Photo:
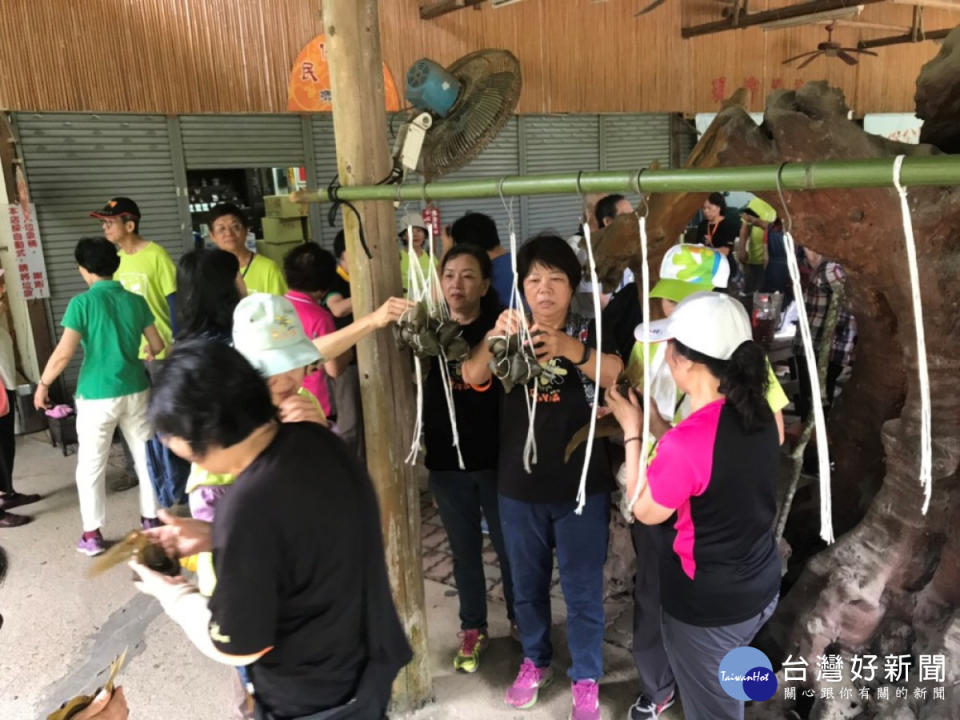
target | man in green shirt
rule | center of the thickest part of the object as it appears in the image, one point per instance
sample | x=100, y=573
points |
x=752, y=245
x=108, y=322
x=145, y=270
x=260, y=274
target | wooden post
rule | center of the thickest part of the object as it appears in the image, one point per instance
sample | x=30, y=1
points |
x=359, y=121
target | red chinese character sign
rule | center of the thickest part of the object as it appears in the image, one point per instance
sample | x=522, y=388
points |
x=26, y=244
x=309, y=86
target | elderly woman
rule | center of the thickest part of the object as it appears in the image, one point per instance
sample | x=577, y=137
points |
x=537, y=508
x=714, y=477
x=228, y=226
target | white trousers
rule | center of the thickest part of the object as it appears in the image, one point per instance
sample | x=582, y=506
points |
x=96, y=422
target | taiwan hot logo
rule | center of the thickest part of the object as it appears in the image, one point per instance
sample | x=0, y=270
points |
x=747, y=674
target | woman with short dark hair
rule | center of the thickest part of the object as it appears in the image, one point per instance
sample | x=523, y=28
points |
x=537, y=508
x=302, y=597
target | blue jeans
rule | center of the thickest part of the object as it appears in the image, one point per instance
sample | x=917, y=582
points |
x=460, y=496
x=531, y=532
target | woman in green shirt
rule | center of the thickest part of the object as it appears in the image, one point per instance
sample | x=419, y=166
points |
x=108, y=322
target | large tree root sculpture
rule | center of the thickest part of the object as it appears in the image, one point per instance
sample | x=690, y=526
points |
x=891, y=584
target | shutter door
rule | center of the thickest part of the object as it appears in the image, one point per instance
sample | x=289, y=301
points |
x=241, y=141
x=325, y=160
x=554, y=144
x=633, y=141
x=76, y=162
x=499, y=159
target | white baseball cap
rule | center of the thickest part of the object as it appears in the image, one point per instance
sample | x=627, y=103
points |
x=710, y=323
x=268, y=333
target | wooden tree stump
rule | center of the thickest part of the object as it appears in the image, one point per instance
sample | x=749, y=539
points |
x=891, y=584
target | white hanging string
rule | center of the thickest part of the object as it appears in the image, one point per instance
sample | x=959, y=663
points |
x=598, y=357
x=813, y=373
x=926, y=439
x=645, y=439
x=425, y=287
x=412, y=294
x=516, y=303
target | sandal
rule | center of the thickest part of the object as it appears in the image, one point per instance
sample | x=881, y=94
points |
x=9, y=520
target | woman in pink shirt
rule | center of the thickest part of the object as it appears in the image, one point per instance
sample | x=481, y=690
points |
x=309, y=270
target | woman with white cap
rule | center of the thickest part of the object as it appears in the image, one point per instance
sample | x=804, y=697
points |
x=716, y=473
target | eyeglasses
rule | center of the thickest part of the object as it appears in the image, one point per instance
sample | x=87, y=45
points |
x=224, y=229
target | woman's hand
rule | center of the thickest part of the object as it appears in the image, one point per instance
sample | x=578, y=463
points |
x=106, y=706
x=549, y=343
x=509, y=323
x=41, y=398
x=181, y=537
x=390, y=311
x=301, y=409
x=155, y=584
x=627, y=410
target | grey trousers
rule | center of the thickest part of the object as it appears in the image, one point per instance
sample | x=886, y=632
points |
x=653, y=666
x=695, y=653
x=346, y=398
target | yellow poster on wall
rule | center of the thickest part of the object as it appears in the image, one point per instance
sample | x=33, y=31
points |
x=309, y=86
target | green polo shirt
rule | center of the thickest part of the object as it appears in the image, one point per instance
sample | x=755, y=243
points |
x=111, y=322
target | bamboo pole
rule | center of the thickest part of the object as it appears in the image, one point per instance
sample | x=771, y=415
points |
x=827, y=174
x=356, y=82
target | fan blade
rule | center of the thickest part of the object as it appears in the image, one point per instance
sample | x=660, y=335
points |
x=866, y=52
x=652, y=6
x=797, y=57
x=847, y=57
x=806, y=62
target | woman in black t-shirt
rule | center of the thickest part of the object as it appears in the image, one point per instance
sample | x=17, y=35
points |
x=718, y=230
x=715, y=474
x=463, y=494
x=537, y=508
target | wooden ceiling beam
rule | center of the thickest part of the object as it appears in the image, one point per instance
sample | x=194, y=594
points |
x=431, y=10
x=901, y=39
x=767, y=16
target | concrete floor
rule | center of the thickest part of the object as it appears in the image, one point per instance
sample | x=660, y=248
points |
x=61, y=629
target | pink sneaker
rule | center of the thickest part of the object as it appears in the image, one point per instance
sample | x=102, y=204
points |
x=523, y=693
x=586, y=704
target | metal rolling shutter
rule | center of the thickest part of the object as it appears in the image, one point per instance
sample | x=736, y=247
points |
x=553, y=144
x=241, y=141
x=325, y=161
x=76, y=162
x=500, y=158
x=631, y=142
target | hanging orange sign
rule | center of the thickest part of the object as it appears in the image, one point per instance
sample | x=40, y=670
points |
x=309, y=87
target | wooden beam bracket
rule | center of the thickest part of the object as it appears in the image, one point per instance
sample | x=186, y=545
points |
x=743, y=20
x=431, y=10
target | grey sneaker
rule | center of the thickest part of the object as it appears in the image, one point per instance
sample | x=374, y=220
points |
x=646, y=709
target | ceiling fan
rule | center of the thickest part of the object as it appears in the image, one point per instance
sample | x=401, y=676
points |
x=829, y=49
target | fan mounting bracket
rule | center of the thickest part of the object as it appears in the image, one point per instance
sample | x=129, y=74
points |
x=410, y=141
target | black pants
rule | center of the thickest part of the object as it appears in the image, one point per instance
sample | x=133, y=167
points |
x=461, y=495
x=8, y=444
x=804, y=400
x=653, y=666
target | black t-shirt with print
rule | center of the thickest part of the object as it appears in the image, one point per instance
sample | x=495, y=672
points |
x=340, y=287
x=563, y=407
x=298, y=554
x=477, y=410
